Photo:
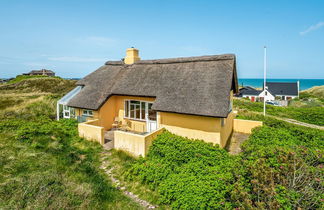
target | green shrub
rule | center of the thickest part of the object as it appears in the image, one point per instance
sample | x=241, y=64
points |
x=281, y=166
x=312, y=115
x=284, y=167
x=188, y=174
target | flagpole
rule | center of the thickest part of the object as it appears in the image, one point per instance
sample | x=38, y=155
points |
x=264, y=79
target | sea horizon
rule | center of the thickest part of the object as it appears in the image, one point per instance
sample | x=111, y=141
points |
x=258, y=82
x=303, y=83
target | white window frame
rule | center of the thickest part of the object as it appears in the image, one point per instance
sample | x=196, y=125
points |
x=85, y=112
x=129, y=104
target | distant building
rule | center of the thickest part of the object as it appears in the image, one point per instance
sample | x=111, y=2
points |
x=43, y=72
x=2, y=81
x=275, y=90
x=249, y=92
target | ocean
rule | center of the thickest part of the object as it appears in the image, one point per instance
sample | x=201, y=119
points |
x=303, y=83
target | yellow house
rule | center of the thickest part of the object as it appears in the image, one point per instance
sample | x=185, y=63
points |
x=135, y=99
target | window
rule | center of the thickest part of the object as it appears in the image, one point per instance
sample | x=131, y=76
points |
x=87, y=112
x=136, y=109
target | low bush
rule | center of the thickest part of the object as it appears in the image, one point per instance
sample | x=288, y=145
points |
x=188, y=174
x=312, y=115
x=284, y=166
x=281, y=166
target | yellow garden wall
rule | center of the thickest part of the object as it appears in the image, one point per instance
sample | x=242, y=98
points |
x=191, y=126
x=245, y=126
x=135, y=144
x=91, y=131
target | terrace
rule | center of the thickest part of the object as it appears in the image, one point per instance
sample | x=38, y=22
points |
x=136, y=143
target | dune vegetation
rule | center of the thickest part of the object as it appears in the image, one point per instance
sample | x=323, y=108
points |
x=309, y=108
x=281, y=167
x=316, y=92
x=43, y=162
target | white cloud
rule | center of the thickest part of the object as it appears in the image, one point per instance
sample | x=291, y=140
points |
x=98, y=40
x=77, y=59
x=36, y=65
x=312, y=28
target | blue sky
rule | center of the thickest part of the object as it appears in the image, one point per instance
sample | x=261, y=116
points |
x=76, y=37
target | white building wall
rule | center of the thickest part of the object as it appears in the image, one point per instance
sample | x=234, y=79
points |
x=268, y=97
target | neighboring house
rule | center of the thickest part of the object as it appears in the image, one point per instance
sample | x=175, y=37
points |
x=43, y=72
x=190, y=97
x=275, y=91
x=249, y=92
x=283, y=90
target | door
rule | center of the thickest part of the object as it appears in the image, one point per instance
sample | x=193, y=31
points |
x=151, y=115
x=252, y=98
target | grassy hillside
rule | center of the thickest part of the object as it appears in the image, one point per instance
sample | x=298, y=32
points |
x=305, y=113
x=43, y=163
x=314, y=92
x=37, y=84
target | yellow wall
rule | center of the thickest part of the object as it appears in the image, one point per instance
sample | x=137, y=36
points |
x=114, y=107
x=79, y=112
x=135, y=125
x=245, y=126
x=194, y=127
x=208, y=129
x=91, y=131
x=227, y=129
x=135, y=144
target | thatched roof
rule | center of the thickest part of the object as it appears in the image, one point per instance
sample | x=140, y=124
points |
x=193, y=85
